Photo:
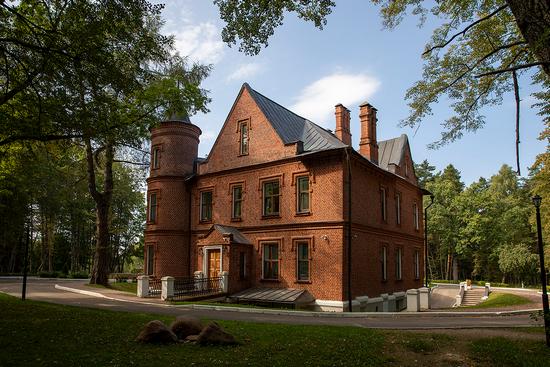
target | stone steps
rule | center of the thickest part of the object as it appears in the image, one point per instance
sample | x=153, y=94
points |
x=472, y=297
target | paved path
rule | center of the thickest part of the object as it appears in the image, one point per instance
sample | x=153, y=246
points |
x=45, y=290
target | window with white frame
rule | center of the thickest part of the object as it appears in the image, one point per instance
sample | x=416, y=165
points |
x=155, y=161
x=416, y=218
x=153, y=203
x=271, y=261
x=242, y=265
x=236, y=201
x=206, y=206
x=271, y=198
x=398, y=208
x=384, y=262
x=302, y=194
x=150, y=260
x=416, y=261
x=383, y=207
x=398, y=263
x=244, y=137
x=302, y=248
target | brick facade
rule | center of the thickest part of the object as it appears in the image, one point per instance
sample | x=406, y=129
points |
x=182, y=240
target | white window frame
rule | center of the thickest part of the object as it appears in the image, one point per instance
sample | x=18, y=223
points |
x=298, y=194
x=262, y=244
x=383, y=204
x=384, y=262
x=416, y=218
x=398, y=208
x=399, y=263
x=201, y=205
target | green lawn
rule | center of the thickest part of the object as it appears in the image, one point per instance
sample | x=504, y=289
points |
x=496, y=300
x=41, y=334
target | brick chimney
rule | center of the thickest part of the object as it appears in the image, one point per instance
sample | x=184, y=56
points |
x=342, y=131
x=368, y=146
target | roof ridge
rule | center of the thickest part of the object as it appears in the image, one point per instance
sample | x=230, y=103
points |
x=277, y=103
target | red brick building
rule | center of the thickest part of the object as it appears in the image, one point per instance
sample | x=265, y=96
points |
x=277, y=201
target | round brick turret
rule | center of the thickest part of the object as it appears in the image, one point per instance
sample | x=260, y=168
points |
x=174, y=149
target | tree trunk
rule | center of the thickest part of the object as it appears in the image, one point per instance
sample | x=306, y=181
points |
x=533, y=20
x=100, y=268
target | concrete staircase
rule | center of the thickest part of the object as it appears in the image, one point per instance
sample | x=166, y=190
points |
x=473, y=297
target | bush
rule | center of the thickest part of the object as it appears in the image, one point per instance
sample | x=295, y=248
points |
x=52, y=274
x=79, y=275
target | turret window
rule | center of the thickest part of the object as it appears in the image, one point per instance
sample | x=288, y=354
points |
x=155, y=159
x=152, y=212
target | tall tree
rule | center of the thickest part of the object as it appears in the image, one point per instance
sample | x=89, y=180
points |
x=114, y=77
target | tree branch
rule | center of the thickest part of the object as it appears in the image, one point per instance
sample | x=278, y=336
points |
x=516, y=93
x=14, y=138
x=130, y=162
x=514, y=68
x=465, y=30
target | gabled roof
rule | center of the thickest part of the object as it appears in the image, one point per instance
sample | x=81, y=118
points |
x=292, y=128
x=392, y=151
x=238, y=237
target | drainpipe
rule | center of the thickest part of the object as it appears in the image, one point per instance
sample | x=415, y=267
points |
x=349, y=230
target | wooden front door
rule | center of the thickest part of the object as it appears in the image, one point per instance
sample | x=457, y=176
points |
x=214, y=263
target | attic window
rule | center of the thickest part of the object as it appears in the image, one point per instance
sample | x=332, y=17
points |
x=244, y=137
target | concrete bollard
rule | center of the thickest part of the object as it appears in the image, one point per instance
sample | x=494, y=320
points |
x=167, y=288
x=385, y=306
x=392, y=303
x=413, y=301
x=143, y=286
x=363, y=301
x=425, y=295
x=225, y=281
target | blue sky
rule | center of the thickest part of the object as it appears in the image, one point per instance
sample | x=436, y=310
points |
x=352, y=60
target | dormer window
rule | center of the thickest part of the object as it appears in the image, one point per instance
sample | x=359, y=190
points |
x=244, y=137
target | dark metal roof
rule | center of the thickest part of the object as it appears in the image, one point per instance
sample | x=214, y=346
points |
x=238, y=237
x=293, y=128
x=274, y=295
x=391, y=151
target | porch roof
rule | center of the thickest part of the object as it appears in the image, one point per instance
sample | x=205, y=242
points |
x=274, y=295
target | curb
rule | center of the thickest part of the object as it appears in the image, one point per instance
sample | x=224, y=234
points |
x=100, y=295
x=403, y=314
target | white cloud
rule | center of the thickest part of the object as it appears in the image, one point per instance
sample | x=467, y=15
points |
x=245, y=71
x=201, y=42
x=208, y=135
x=316, y=101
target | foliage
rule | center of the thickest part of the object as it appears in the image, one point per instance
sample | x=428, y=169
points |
x=468, y=61
x=482, y=231
x=253, y=22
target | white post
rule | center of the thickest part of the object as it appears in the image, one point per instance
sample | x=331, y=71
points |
x=424, y=298
x=143, y=286
x=225, y=281
x=413, y=302
x=167, y=288
x=198, y=280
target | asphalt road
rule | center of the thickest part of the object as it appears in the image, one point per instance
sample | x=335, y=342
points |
x=44, y=290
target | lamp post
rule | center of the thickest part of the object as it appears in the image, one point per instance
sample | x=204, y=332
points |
x=536, y=202
x=426, y=239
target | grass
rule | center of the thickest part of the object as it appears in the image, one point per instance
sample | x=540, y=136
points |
x=119, y=286
x=497, y=300
x=42, y=334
